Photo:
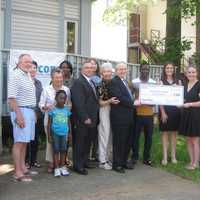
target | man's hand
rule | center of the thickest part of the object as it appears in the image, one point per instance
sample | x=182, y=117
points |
x=88, y=121
x=164, y=117
x=20, y=120
x=137, y=102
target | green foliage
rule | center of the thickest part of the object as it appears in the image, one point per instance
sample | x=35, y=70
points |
x=182, y=157
x=144, y=62
x=120, y=10
x=176, y=48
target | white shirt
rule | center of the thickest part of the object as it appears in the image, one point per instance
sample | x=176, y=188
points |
x=136, y=82
x=48, y=99
x=48, y=96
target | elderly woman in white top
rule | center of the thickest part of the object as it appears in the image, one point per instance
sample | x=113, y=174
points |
x=104, y=127
x=47, y=102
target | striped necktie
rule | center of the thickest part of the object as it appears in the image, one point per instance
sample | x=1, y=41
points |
x=93, y=88
x=128, y=89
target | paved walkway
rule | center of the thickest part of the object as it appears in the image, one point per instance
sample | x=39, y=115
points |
x=142, y=183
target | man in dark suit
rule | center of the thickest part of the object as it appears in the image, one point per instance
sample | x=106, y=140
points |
x=122, y=119
x=85, y=109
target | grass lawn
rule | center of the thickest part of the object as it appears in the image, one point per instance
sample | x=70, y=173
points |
x=182, y=157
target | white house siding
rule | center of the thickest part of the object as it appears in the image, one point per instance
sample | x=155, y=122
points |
x=72, y=9
x=2, y=4
x=35, y=24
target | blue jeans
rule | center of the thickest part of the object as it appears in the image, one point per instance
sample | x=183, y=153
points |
x=59, y=143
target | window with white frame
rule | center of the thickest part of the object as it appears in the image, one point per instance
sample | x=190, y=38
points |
x=71, y=36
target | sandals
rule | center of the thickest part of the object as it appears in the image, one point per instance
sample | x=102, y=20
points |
x=191, y=167
x=147, y=162
x=164, y=162
x=69, y=163
x=174, y=161
x=50, y=169
x=31, y=172
x=36, y=164
x=23, y=178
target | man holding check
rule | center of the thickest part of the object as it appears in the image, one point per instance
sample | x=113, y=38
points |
x=144, y=119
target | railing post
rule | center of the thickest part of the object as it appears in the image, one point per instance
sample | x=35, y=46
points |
x=1, y=88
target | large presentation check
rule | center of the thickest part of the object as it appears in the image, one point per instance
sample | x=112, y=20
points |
x=153, y=94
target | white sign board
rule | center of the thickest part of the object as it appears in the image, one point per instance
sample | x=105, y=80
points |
x=46, y=62
x=153, y=94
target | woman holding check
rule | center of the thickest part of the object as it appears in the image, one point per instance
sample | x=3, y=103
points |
x=189, y=125
x=169, y=117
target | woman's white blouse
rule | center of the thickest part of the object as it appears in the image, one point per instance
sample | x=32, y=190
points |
x=48, y=98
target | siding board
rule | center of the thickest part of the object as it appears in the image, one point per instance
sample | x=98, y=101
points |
x=72, y=9
x=34, y=32
x=46, y=7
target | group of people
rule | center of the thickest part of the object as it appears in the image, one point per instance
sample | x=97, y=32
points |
x=100, y=112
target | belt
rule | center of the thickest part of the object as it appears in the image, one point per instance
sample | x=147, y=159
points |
x=29, y=107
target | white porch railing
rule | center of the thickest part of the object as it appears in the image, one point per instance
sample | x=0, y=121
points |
x=76, y=60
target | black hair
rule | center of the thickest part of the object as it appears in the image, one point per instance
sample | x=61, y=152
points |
x=68, y=64
x=55, y=70
x=144, y=64
x=60, y=92
x=35, y=63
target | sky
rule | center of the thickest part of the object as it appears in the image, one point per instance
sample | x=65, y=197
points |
x=107, y=41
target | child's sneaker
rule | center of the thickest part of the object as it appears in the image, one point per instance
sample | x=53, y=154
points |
x=64, y=171
x=57, y=172
x=105, y=166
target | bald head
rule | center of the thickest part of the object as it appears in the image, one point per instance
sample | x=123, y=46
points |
x=121, y=70
x=25, y=62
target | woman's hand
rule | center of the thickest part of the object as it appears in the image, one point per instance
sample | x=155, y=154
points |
x=50, y=138
x=114, y=100
x=164, y=117
x=187, y=105
x=47, y=108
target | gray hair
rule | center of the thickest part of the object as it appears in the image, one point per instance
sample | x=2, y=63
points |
x=120, y=64
x=22, y=56
x=106, y=65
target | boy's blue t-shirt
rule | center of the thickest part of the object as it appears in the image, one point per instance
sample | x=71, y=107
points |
x=60, y=117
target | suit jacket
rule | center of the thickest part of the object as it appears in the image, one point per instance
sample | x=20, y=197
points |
x=84, y=102
x=124, y=112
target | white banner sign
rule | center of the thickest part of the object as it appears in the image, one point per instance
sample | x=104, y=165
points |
x=46, y=62
x=153, y=94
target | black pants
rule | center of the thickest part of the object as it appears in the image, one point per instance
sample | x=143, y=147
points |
x=82, y=137
x=145, y=123
x=32, y=148
x=122, y=137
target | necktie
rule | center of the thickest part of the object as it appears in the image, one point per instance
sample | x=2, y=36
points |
x=128, y=89
x=93, y=88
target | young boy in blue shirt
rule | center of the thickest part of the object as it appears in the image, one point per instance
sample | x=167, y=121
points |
x=58, y=130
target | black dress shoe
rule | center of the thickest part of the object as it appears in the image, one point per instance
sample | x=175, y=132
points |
x=134, y=161
x=89, y=166
x=81, y=171
x=119, y=169
x=147, y=162
x=129, y=166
